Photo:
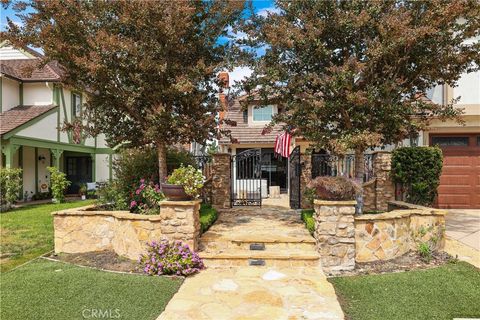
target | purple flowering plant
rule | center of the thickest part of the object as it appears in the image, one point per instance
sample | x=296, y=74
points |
x=170, y=258
x=146, y=197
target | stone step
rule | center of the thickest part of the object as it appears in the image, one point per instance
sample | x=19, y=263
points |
x=242, y=245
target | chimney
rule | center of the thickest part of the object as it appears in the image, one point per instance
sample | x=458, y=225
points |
x=224, y=85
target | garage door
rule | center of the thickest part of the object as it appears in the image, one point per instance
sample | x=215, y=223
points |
x=460, y=179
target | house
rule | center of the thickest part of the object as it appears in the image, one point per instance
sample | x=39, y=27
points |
x=460, y=180
x=34, y=105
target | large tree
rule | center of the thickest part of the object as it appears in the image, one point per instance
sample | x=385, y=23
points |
x=353, y=74
x=150, y=67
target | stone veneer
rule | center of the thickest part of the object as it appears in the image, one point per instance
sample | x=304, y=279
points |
x=335, y=234
x=221, y=184
x=381, y=189
x=391, y=234
x=85, y=229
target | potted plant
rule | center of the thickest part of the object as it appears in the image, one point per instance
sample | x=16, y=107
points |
x=83, y=191
x=184, y=183
x=333, y=188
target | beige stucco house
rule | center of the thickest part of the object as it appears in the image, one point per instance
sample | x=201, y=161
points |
x=34, y=104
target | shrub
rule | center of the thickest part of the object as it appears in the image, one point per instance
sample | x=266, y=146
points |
x=42, y=195
x=146, y=198
x=111, y=196
x=59, y=184
x=208, y=216
x=307, y=217
x=334, y=188
x=190, y=178
x=425, y=251
x=170, y=258
x=418, y=170
x=10, y=186
x=135, y=164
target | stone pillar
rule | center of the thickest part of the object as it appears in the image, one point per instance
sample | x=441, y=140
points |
x=384, y=186
x=181, y=221
x=335, y=234
x=306, y=176
x=221, y=181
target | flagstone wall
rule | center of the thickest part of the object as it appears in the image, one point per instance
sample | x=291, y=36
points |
x=221, y=181
x=86, y=229
x=381, y=189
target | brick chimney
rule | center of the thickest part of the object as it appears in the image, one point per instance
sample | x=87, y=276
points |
x=224, y=79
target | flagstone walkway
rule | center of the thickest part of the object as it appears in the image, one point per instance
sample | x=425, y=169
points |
x=291, y=284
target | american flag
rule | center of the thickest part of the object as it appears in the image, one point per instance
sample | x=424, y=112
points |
x=282, y=144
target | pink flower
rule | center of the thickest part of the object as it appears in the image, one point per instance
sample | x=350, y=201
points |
x=138, y=191
x=133, y=203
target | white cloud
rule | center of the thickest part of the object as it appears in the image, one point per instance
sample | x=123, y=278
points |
x=236, y=35
x=238, y=74
x=265, y=11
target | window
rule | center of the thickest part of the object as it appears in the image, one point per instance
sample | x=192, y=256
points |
x=450, y=141
x=76, y=105
x=263, y=113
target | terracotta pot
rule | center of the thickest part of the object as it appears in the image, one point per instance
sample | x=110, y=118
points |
x=175, y=192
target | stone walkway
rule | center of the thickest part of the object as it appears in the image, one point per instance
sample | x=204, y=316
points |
x=290, y=285
x=255, y=293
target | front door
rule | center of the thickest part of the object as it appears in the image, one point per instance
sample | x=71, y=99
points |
x=79, y=171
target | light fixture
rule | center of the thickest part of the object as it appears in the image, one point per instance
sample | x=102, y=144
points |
x=41, y=157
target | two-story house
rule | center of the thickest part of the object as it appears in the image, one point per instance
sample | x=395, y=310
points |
x=34, y=105
x=460, y=180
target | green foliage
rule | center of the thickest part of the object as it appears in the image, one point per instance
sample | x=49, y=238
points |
x=418, y=170
x=83, y=189
x=10, y=186
x=111, y=195
x=59, y=184
x=425, y=251
x=208, y=216
x=175, y=158
x=307, y=217
x=146, y=198
x=42, y=195
x=190, y=178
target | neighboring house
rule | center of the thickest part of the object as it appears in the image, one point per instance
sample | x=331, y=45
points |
x=34, y=105
x=460, y=181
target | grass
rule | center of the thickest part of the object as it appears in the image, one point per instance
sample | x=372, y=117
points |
x=446, y=292
x=44, y=289
x=208, y=216
x=27, y=232
x=307, y=217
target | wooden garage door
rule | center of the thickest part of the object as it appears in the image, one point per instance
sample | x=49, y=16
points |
x=460, y=179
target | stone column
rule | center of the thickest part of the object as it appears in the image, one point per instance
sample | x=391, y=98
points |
x=335, y=234
x=384, y=186
x=181, y=221
x=221, y=181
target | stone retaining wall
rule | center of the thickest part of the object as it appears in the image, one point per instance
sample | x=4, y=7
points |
x=335, y=234
x=221, y=181
x=391, y=234
x=84, y=229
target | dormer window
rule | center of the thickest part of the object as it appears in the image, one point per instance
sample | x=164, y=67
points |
x=263, y=113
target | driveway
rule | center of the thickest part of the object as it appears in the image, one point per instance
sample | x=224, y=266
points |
x=464, y=226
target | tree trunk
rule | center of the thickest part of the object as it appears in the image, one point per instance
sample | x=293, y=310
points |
x=359, y=165
x=162, y=161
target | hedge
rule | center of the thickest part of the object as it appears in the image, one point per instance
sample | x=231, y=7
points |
x=208, y=216
x=418, y=170
x=307, y=217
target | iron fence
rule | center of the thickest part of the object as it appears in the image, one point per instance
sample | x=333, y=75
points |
x=331, y=165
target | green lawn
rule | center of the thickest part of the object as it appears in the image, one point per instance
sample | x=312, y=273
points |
x=28, y=232
x=53, y=290
x=445, y=292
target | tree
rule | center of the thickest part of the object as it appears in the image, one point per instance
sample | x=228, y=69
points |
x=354, y=74
x=150, y=68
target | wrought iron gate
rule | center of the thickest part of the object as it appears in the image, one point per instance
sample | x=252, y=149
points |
x=246, y=176
x=295, y=169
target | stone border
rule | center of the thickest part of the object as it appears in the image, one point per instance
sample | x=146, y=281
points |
x=81, y=230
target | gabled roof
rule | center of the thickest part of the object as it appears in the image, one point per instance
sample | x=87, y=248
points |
x=243, y=132
x=18, y=116
x=29, y=70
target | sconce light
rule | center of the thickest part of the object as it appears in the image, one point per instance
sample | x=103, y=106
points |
x=229, y=150
x=41, y=157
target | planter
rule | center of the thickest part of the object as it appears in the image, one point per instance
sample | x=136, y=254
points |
x=84, y=197
x=175, y=192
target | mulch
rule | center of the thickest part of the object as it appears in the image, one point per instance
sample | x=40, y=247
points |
x=103, y=260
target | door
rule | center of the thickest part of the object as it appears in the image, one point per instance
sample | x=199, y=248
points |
x=295, y=174
x=79, y=171
x=247, y=183
x=460, y=180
